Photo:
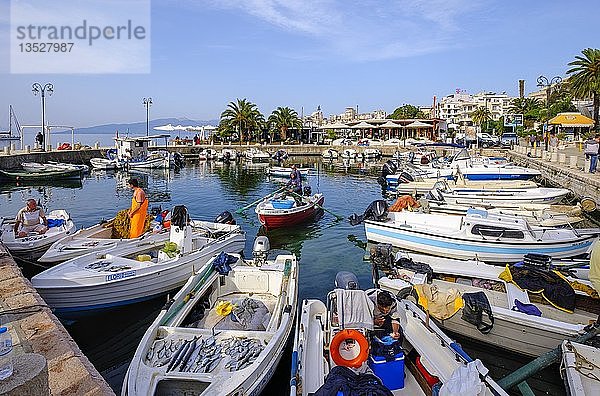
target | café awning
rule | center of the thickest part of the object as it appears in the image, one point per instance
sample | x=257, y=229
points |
x=572, y=120
x=418, y=124
x=362, y=125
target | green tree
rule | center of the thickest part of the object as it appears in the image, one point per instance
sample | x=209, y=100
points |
x=530, y=108
x=406, y=111
x=242, y=116
x=480, y=116
x=584, y=80
x=282, y=119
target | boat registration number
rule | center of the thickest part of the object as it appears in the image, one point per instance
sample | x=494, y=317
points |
x=120, y=275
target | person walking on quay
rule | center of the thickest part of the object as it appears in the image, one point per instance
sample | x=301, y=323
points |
x=39, y=140
x=553, y=143
x=138, y=211
x=592, y=146
x=28, y=220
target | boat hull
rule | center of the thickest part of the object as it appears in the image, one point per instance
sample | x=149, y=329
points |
x=492, y=250
x=285, y=218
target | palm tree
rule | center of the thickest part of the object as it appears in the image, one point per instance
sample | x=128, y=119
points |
x=480, y=116
x=284, y=118
x=242, y=116
x=585, y=78
x=530, y=108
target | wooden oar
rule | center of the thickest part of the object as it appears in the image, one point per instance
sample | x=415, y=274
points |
x=241, y=210
x=320, y=207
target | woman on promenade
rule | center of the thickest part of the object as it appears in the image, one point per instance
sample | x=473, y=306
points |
x=138, y=211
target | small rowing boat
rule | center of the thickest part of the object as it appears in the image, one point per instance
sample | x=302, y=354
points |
x=277, y=212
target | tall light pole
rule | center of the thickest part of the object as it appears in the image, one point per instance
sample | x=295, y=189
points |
x=38, y=88
x=147, y=103
x=543, y=82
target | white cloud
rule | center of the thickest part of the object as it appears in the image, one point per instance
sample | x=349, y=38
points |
x=367, y=30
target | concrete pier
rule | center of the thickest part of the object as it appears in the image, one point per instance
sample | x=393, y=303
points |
x=35, y=330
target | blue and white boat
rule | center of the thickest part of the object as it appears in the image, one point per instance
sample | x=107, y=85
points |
x=477, y=235
x=100, y=281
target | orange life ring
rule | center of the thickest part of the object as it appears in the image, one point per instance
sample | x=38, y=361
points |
x=342, y=336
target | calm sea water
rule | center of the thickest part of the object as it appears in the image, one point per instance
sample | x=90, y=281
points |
x=324, y=247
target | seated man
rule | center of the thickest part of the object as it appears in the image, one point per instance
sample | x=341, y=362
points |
x=28, y=220
x=385, y=314
x=294, y=186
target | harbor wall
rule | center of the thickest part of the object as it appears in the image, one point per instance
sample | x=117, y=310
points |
x=35, y=329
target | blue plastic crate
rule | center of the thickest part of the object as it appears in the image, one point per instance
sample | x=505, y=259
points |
x=282, y=203
x=390, y=372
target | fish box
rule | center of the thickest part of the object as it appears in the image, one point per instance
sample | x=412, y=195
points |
x=390, y=372
x=282, y=203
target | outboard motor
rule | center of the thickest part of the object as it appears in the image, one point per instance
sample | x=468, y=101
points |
x=155, y=210
x=181, y=230
x=260, y=250
x=377, y=210
x=307, y=191
x=225, y=218
x=346, y=280
x=389, y=168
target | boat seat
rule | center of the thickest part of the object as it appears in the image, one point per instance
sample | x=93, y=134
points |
x=514, y=293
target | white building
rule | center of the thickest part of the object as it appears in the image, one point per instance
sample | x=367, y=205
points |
x=457, y=108
x=351, y=114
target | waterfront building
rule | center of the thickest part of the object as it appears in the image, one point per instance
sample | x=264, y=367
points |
x=456, y=108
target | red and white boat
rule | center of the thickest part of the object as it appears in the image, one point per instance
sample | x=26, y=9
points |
x=275, y=212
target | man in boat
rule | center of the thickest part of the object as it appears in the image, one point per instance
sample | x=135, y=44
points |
x=28, y=220
x=385, y=314
x=294, y=186
x=138, y=211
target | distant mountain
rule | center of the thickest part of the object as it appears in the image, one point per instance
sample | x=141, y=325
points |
x=139, y=128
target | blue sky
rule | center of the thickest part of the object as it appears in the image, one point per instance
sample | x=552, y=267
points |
x=332, y=53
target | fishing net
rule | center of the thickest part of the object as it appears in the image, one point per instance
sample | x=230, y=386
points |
x=120, y=225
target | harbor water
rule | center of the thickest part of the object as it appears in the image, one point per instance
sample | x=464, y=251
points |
x=323, y=247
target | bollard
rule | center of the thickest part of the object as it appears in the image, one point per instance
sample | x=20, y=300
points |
x=6, y=150
x=28, y=149
x=562, y=158
x=97, y=145
x=554, y=157
x=49, y=147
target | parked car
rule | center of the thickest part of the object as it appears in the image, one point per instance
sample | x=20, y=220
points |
x=509, y=138
x=486, y=140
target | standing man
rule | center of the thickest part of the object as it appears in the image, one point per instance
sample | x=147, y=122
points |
x=553, y=143
x=28, y=220
x=592, y=146
x=138, y=211
x=39, y=139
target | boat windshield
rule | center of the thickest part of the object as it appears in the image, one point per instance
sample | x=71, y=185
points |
x=496, y=232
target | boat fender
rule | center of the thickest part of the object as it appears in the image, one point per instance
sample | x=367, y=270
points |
x=342, y=337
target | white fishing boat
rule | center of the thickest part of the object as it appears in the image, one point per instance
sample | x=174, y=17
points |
x=227, y=154
x=99, y=238
x=408, y=185
x=371, y=153
x=535, y=214
x=336, y=340
x=256, y=155
x=99, y=281
x=580, y=368
x=224, y=333
x=103, y=163
x=500, y=197
x=349, y=153
x=282, y=171
x=134, y=152
x=510, y=328
x=208, y=154
x=478, y=234
x=329, y=153
x=52, y=166
x=34, y=244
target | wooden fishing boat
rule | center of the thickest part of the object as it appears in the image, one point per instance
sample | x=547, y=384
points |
x=22, y=176
x=275, y=212
x=327, y=339
x=422, y=187
x=34, y=244
x=99, y=281
x=477, y=235
x=256, y=155
x=204, y=345
x=99, y=239
x=580, y=368
x=103, y=163
x=512, y=329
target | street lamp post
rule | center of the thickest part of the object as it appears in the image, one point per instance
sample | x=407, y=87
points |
x=48, y=88
x=147, y=103
x=543, y=82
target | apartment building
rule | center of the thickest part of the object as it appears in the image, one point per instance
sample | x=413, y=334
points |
x=456, y=108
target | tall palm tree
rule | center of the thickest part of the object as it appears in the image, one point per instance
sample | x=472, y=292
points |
x=585, y=78
x=242, y=116
x=480, y=116
x=284, y=118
